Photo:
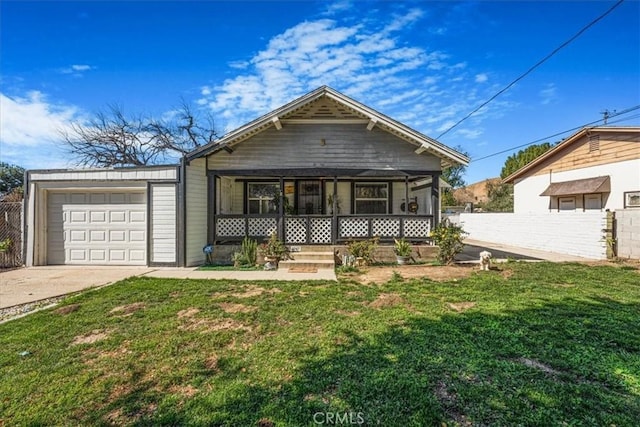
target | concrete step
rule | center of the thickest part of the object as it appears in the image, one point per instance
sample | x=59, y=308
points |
x=297, y=263
x=312, y=248
x=312, y=255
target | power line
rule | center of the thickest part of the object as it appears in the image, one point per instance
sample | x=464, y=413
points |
x=578, y=34
x=628, y=110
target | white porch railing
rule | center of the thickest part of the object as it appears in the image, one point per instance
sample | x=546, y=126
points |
x=320, y=229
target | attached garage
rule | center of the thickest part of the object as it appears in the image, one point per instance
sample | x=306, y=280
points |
x=124, y=216
x=96, y=227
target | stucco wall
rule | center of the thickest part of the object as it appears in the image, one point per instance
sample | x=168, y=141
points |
x=625, y=176
x=573, y=233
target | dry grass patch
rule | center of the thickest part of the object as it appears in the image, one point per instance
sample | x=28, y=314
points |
x=187, y=391
x=211, y=363
x=127, y=310
x=383, y=274
x=229, y=307
x=67, y=309
x=386, y=300
x=461, y=306
x=212, y=325
x=188, y=312
x=92, y=337
x=347, y=313
x=537, y=365
x=251, y=291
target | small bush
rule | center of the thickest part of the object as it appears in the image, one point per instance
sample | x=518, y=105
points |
x=448, y=237
x=363, y=249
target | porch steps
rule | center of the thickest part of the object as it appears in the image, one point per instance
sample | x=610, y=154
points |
x=309, y=258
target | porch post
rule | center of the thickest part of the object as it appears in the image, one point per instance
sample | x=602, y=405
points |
x=281, y=211
x=406, y=195
x=334, y=210
x=435, y=198
x=211, y=208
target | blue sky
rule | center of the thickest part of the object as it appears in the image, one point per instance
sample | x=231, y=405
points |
x=425, y=63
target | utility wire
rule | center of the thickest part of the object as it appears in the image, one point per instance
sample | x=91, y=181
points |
x=578, y=34
x=628, y=110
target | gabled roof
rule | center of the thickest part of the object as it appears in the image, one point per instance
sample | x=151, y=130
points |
x=326, y=105
x=566, y=143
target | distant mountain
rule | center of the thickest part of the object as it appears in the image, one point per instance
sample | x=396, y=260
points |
x=474, y=193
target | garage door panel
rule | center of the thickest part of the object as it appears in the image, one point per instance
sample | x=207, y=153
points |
x=96, y=228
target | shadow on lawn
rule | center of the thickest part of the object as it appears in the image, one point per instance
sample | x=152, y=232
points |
x=573, y=362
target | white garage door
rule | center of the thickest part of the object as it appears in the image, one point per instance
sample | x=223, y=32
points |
x=97, y=227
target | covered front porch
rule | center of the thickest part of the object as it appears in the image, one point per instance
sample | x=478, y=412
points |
x=322, y=208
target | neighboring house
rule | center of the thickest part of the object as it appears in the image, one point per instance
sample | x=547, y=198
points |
x=597, y=168
x=322, y=169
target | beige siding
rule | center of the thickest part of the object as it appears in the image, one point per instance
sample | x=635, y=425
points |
x=196, y=212
x=613, y=148
x=324, y=146
x=163, y=223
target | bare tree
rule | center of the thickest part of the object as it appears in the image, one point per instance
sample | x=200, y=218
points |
x=113, y=139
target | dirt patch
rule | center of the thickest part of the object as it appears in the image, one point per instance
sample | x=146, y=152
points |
x=382, y=274
x=461, y=306
x=348, y=313
x=264, y=422
x=229, y=307
x=67, y=309
x=127, y=310
x=537, y=365
x=188, y=312
x=90, y=338
x=386, y=300
x=183, y=390
x=211, y=363
x=213, y=325
x=250, y=291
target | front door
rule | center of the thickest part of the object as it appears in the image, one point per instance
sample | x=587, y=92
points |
x=309, y=197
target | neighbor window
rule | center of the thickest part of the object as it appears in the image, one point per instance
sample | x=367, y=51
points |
x=371, y=198
x=593, y=201
x=261, y=196
x=567, y=203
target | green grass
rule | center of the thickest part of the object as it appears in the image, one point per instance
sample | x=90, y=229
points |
x=535, y=344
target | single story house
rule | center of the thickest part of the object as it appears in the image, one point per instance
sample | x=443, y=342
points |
x=319, y=170
x=597, y=168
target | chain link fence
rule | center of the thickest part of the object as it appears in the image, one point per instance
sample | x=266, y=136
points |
x=10, y=234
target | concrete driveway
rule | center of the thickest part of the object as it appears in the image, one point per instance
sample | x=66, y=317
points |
x=502, y=252
x=24, y=285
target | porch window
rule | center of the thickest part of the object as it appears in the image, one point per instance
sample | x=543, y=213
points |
x=260, y=197
x=567, y=203
x=371, y=198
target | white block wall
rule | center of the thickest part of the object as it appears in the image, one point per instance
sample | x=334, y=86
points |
x=628, y=233
x=572, y=233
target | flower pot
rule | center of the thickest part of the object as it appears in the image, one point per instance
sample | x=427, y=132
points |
x=402, y=260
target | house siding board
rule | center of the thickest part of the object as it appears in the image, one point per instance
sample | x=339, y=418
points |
x=163, y=173
x=613, y=148
x=625, y=176
x=196, y=211
x=299, y=146
x=572, y=233
x=163, y=223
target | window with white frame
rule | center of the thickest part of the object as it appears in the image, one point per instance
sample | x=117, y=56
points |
x=371, y=197
x=261, y=196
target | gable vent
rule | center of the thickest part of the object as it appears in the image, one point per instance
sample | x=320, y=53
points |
x=594, y=143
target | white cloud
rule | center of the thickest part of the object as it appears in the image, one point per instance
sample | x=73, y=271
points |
x=548, y=94
x=76, y=69
x=30, y=129
x=338, y=6
x=481, y=78
x=368, y=60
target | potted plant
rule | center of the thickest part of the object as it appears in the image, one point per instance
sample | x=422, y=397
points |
x=403, y=251
x=273, y=250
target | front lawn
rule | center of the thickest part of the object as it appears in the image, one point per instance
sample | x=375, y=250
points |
x=525, y=344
